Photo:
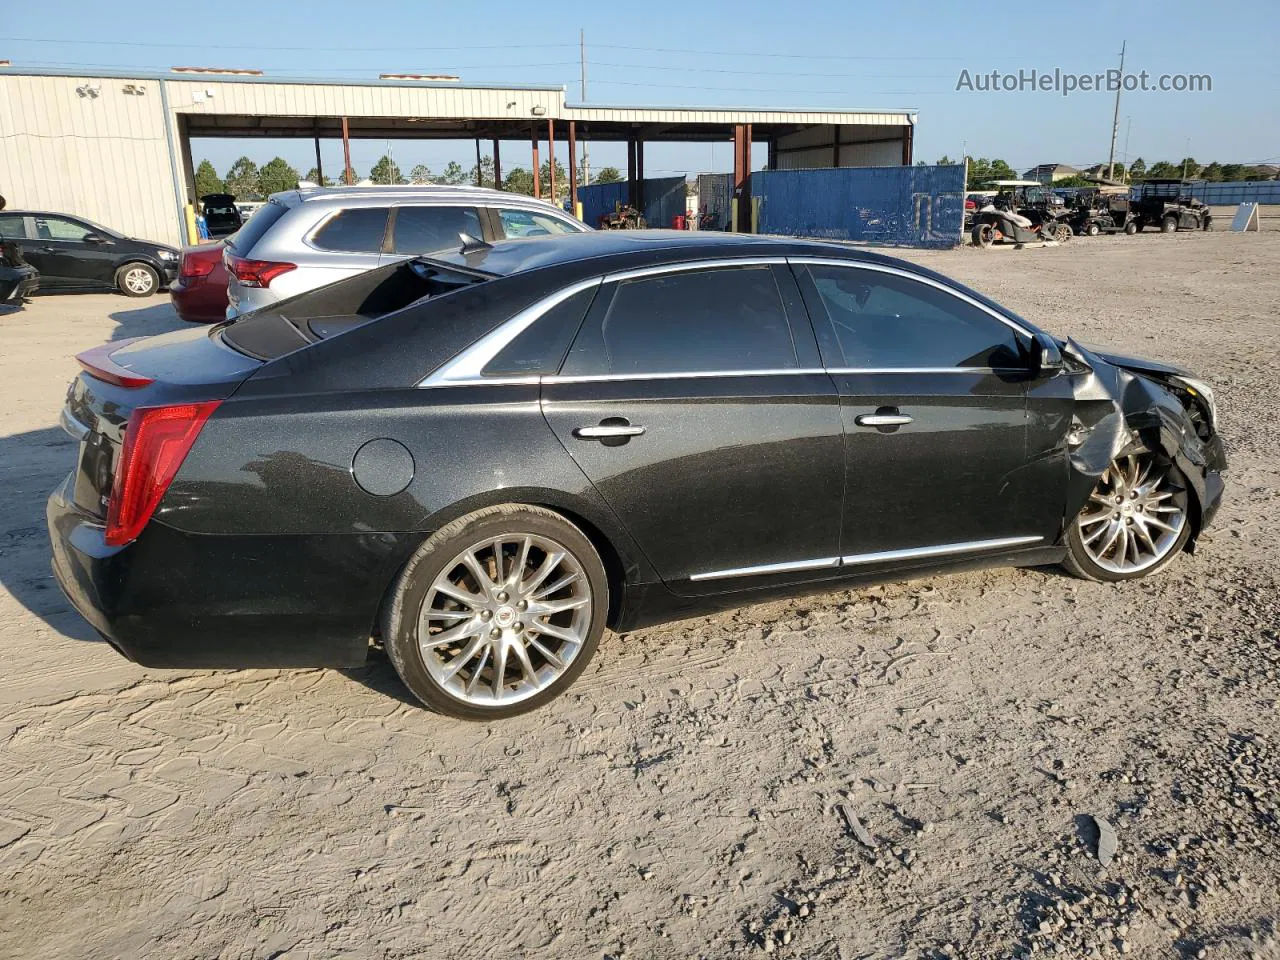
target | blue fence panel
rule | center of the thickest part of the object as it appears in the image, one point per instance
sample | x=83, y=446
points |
x=921, y=206
x=663, y=199
x=599, y=199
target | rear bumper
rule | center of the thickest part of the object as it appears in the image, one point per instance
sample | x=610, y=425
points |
x=197, y=301
x=174, y=599
x=16, y=284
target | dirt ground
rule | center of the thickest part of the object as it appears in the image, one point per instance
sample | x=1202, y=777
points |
x=702, y=791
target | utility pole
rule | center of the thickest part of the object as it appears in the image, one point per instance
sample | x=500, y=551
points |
x=1128, y=128
x=582, y=61
x=1115, y=120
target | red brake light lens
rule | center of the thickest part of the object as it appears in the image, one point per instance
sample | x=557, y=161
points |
x=257, y=273
x=199, y=263
x=156, y=442
x=99, y=365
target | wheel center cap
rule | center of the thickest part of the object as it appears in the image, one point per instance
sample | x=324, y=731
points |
x=505, y=616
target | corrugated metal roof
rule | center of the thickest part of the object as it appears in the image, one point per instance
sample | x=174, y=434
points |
x=264, y=95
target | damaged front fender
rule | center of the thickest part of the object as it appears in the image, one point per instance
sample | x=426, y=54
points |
x=1119, y=409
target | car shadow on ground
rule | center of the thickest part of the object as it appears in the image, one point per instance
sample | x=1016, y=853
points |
x=146, y=321
x=32, y=464
x=380, y=676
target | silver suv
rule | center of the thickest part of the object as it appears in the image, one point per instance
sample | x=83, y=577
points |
x=303, y=239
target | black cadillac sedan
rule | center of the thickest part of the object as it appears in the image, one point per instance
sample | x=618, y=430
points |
x=485, y=458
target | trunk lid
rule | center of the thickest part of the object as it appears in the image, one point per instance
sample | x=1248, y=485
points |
x=182, y=367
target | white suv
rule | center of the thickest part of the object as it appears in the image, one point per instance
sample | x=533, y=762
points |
x=303, y=239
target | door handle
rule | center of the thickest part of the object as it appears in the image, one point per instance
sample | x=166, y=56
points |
x=882, y=420
x=606, y=431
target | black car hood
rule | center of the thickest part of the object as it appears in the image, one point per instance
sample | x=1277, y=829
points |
x=1139, y=364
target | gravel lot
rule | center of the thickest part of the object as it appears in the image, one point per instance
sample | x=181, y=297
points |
x=906, y=771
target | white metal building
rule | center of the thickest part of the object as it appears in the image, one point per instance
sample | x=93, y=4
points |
x=115, y=147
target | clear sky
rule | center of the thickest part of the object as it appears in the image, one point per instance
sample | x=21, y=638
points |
x=824, y=53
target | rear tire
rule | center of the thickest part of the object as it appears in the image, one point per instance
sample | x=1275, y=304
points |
x=984, y=235
x=501, y=649
x=1092, y=230
x=1169, y=225
x=1131, y=228
x=137, y=280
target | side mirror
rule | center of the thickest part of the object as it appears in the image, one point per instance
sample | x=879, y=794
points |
x=1047, y=358
x=94, y=238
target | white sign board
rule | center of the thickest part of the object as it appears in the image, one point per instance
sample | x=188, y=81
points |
x=1246, y=218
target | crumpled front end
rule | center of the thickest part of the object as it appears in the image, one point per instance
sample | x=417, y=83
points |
x=1145, y=406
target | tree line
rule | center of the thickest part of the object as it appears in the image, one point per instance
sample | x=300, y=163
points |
x=245, y=180
x=982, y=172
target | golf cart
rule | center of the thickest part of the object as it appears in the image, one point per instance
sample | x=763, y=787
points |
x=1096, y=212
x=1168, y=204
x=1022, y=211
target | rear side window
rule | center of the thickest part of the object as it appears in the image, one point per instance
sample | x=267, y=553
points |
x=427, y=229
x=359, y=230
x=884, y=321
x=263, y=219
x=726, y=320
x=11, y=227
x=529, y=223
x=541, y=348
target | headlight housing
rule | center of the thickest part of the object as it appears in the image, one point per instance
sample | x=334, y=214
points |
x=1202, y=392
x=166, y=255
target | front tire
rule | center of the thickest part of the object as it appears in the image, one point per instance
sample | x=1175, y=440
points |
x=497, y=613
x=1092, y=230
x=1131, y=228
x=1169, y=225
x=984, y=235
x=137, y=280
x=1135, y=523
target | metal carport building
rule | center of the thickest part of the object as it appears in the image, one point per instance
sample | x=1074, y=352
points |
x=114, y=147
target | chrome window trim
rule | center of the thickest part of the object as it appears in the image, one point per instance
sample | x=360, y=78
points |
x=940, y=550
x=928, y=281
x=467, y=366
x=767, y=568
x=692, y=374
x=866, y=370
x=659, y=269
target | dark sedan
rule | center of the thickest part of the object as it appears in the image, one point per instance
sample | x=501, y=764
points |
x=74, y=254
x=485, y=458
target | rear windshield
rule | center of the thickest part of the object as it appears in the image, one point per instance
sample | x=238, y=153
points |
x=263, y=219
x=294, y=323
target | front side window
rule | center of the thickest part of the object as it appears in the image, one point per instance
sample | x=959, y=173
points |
x=729, y=320
x=11, y=227
x=55, y=228
x=359, y=230
x=530, y=223
x=426, y=229
x=885, y=321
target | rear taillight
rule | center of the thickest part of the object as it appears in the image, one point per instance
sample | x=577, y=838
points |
x=99, y=365
x=156, y=442
x=199, y=263
x=257, y=273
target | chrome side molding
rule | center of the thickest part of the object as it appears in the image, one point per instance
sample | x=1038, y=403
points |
x=856, y=559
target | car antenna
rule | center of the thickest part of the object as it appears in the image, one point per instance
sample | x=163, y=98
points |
x=472, y=245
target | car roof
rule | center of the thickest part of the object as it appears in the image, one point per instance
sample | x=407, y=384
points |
x=623, y=249
x=376, y=196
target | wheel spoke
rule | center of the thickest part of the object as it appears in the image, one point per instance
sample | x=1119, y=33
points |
x=434, y=614
x=560, y=633
x=526, y=665
x=1157, y=522
x=1140, y=529
x=549, y=608
x=451, y=589
x=1111, y=539
x=547, y=655
x=549, y=564
x=522, y=559
x=474, y=681
x=1093, y=537
x=453, y=634
x=499, y=670
x=472, y=563
x=465, y=657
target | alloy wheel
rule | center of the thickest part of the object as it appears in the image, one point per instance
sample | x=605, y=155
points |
x=138, y=280
x=1135, y=515
x=504, y=619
